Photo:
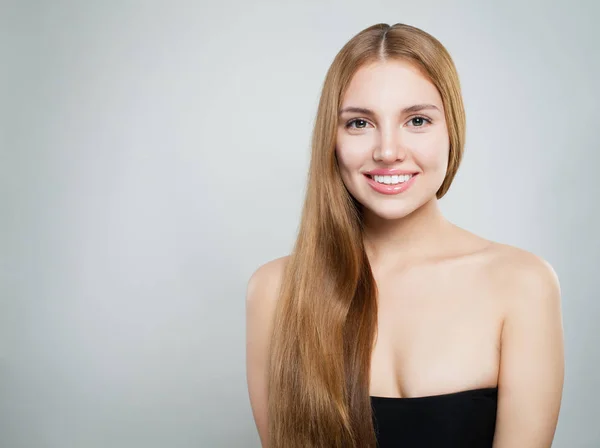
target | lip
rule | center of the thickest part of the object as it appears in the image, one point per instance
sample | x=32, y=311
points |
x=389, y=172
x=391, y=189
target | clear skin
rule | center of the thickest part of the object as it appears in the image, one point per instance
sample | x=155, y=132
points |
x=388, y=138
x=455, y=311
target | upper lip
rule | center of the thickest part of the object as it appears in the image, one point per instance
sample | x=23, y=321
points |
x=389, y=172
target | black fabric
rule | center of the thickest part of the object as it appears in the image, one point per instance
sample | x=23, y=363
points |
x=465, y=419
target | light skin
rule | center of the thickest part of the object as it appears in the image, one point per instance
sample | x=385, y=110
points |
x=408, y=224
x=455, y=311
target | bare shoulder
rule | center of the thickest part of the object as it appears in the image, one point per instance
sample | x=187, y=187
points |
x=261, y=298
x=264, y=283
x=519, y=275
x=531, y=368
x=512, y=263
x=262, y=292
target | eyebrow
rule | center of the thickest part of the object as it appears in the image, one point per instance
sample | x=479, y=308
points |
x=406, y=110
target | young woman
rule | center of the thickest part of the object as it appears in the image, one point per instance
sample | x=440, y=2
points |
x=388, y=325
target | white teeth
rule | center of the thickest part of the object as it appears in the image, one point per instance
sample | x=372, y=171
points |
x=392, y=180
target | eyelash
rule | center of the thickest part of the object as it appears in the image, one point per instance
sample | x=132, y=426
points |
x=348, y=125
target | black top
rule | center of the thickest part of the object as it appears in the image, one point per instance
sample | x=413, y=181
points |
x=465, y=419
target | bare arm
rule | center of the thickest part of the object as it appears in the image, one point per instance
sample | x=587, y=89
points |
x=261, y=297
x=531, y=373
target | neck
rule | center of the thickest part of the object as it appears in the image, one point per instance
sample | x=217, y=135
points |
x=414, y=237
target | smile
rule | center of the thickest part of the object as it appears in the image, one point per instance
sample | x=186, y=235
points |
x=391, y=180
x=391, y=184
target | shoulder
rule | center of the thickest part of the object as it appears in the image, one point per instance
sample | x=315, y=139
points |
x=521, y=272
x=264, y=283
x=507, y=269
x=525, y=283
x=262, y=292
x=532, y=354
x=504, y=262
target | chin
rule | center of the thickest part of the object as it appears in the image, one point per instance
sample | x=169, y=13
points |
x=390, y=212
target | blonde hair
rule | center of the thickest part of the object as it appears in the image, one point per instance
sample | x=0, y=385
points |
x=326, y=316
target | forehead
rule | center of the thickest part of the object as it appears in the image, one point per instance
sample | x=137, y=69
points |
x=393, y=82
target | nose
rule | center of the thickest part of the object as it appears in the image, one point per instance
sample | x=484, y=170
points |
x=390, y=148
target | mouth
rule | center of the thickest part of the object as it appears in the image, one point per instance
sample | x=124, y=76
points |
x=391, y=184
x=391, y=180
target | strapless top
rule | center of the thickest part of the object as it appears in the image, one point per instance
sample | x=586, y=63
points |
x=465, y=419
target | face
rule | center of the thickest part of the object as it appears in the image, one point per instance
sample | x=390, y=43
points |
x=392, y=154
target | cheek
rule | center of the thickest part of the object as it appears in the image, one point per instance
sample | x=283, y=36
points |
x=355, y=150
x=350, y=155
x=433, y=153
x=434, y=160
x=349, y=162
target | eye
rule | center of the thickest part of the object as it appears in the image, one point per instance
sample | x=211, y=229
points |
x=359, y=121
x=419, y=121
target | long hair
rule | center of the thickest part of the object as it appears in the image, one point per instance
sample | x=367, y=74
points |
x=326, y=315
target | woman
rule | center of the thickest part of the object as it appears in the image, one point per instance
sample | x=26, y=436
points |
x=388, y=325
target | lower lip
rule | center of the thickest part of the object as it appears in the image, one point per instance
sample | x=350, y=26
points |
x=391, y=189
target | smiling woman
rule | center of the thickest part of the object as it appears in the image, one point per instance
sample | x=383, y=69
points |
x=400, y=111
x=388, y=325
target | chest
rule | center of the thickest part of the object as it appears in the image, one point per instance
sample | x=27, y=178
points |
x=438, y=331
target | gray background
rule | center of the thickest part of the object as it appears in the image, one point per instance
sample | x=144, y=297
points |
x=153, y=154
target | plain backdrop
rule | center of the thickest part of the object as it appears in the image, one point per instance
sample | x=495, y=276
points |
x=154, y=154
